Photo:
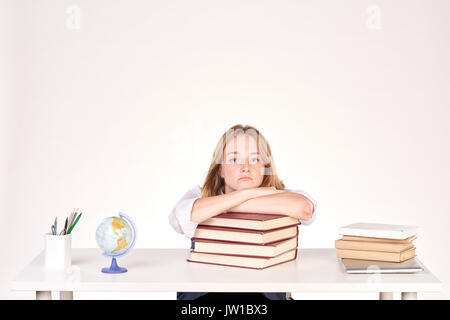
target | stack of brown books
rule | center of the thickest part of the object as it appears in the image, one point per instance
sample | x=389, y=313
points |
x=379, y=249
x=374, y=241
x=248, y=240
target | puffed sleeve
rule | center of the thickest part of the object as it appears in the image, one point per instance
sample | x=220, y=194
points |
x=314, y=202
x=180, y=217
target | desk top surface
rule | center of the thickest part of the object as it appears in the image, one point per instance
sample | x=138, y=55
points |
x=159, y=270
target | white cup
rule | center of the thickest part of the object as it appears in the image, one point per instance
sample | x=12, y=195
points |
x=58, y=251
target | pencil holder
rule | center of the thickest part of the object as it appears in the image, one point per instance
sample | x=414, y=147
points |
x=58, y=251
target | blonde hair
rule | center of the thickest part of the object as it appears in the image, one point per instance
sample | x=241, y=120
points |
x=214, y=182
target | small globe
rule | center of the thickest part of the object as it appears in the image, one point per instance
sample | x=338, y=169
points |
x=116, y=236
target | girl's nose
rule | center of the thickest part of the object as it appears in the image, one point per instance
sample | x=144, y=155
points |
x=244, y=167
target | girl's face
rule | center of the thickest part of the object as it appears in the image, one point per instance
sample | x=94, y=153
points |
x=242, y=166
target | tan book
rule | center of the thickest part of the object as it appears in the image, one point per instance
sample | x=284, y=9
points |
x=367, y=239
x=377, y=255
x=372, y=246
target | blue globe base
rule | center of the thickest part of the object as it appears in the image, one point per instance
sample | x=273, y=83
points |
x=114, y=268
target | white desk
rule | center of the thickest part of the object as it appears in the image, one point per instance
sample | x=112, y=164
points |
x=166, y=270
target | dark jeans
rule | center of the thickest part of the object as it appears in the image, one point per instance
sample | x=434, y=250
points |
x=227, y=296
x=233, y=296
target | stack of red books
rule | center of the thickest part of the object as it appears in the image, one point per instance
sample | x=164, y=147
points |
x=248, y=240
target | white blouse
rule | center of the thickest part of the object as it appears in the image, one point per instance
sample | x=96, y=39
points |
x=180, y=217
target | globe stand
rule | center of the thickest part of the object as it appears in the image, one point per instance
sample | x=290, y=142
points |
x=114, y=268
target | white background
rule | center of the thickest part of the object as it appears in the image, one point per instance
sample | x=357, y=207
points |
x=117, y=106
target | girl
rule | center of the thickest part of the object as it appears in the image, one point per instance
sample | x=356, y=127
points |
x=241, y=178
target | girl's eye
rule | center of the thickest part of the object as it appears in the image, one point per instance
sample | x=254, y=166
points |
x=233, y=160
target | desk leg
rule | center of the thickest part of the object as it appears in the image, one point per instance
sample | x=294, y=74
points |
x=66, y=295
x=386, y=296
x=43, y=295
x=409, y=295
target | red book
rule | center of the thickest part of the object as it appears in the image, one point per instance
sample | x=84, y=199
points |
x=272, y=249
x=245, y=235
x=251, y=262
x=253, y=221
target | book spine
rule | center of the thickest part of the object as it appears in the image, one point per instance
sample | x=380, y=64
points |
x=383, y=240
x=237, y=242
x=236, y=266
x=244, y=230
x=242, y=236
x=245, y=255
x=226, y=224
x=372, y=246
x=371, y=255
x=244, y=242
x=246, y=267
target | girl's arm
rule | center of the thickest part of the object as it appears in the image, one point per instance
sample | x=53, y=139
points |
x=288, y=203
x=205, y=208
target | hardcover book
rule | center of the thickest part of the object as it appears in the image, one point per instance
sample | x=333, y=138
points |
x=247, y=249
x=245, y=235
x=376, y=230
x=243, y=261
x=253, y=221
x=377, y=255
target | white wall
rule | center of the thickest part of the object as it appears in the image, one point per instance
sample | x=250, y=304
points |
x=120, y=110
